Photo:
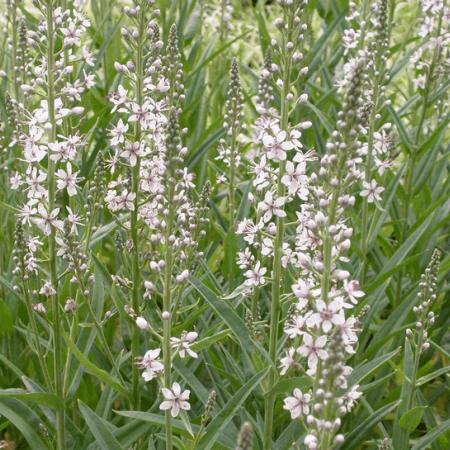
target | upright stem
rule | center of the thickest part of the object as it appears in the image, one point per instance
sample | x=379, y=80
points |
x=35, y=329
x=232, y=187
x=368, y=175
x=134, y=214
x=409, y=180
x=278, y=252
x=167, y=308
x=56, y=322
x=13, y=13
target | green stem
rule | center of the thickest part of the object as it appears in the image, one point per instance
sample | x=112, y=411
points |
x=409, y=177
x=368, y=176
x=34, y=327
x=278, y=252
x=232, y=200
x=56, y=321
x=134, y=214
x=14, y=50
x=167, y=308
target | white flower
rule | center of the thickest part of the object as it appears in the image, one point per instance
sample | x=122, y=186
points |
x=175, y=400
x=183, y=344
x=131, y=152
x=255, y=276
x=350, y=38
x=118, y=133
x=372, y=191
x=271, y=206
x=295, y=180
x=295, y=326
x=67, y=180
x=40, y=308
x=327, y=315
x=277, y=145
x=15, y=181
x=72, y=34
x=349, y=336
x=47, y=220
x=73, y=219
x=141, y=114
x=288, y=361
x=34, y=180
x=152, y=367
x=353, y=290
x=298, y=404
x=47, y=289
x=351, y=397
x=118, y=98
x=313, y=349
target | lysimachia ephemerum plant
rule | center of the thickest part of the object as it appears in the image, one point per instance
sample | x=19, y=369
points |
x=429, y=67
x=47, y=180
x=278, y=165
x=417, y=342
x=322, y=331
x=230, y=151
x=155, y=188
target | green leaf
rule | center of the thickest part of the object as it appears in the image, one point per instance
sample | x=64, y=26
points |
x=226, y=313
x=401, y=436
x=362, y=371
x=157, y=419
x=358, y=434
x=25, y=420
x=6, y=318
x=221, y=420
x=208, y=341
x=91, y=368
x=50, y=400
x=103, y=436
x=431, y=376
x=424, y=442
x=288, y=385
x=411, y=419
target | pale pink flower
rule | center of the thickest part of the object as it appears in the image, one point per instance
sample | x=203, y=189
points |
x=277, y=145
x=295, y=180
x=255, y=276
x=327, y=315
x=313, y=349
x=118, y=98
x=183, y=344
x=298, y=404
x=271, y=206
x=118, y=133
x=295, y=326
x=67, y=180
x=151, y=365
x=372, y=191
x=353, y=290
x=46, y=220
x=175, y=400
x=288, y=361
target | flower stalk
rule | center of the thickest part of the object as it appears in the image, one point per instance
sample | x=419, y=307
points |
x=289, y=18
x=56, y=322
x=135, y=182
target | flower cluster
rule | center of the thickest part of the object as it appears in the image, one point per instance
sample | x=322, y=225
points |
x=48, y=165
x=320, y=327
x=430, y=62
x=278, y=160
x=425, y=318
